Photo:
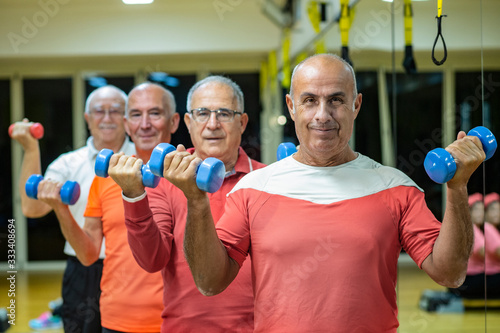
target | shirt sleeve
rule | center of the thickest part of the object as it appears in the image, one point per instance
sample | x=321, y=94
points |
x=149, y=236
x=233, y=227
x=58, y=170
x=418, y=227
x=94, y=207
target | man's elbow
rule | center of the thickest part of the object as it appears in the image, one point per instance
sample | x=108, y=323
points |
x=32, y=213
x=207, y=291
x=148, y=267
x=87, y=260
x=209, y=287
x=452, y=280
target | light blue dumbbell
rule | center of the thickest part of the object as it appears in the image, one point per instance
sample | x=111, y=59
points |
x=209, y=175
x=70, y=191
x=102, y=165
x=440, y=165
x=285, y=149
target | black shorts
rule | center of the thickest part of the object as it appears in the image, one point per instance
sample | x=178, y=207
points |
x=81, y=291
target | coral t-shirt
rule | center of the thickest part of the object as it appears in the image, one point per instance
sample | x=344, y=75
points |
x=325, y=242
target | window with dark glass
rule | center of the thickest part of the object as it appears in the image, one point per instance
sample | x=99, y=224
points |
x=367, y=124
x=418, y=101
x=49, y=102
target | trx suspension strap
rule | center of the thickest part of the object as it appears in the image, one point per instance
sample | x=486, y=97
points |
x=315, y=18
x=285, y=57
x=439, y=17
x=408, y=61
x=346, y=16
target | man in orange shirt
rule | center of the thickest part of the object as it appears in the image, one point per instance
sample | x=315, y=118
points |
x=131, y=299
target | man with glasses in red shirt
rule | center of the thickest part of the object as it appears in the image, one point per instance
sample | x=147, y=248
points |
x=156, y=218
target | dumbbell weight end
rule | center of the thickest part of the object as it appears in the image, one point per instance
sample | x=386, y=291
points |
x=210, y=175
x=285, y=149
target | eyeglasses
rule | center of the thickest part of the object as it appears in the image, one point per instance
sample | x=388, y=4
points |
x=101, y=113
x=222, y=115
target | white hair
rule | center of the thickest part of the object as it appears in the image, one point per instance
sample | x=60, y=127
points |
x=122, y=94
x=237, y=93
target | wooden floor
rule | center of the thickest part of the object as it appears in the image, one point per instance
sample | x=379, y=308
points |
x=35, y=289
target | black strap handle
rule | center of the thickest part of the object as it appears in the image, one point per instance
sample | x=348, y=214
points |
x=439, y=62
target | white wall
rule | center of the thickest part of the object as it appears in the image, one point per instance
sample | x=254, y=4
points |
x=107, y=27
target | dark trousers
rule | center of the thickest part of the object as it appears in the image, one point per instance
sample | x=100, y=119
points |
x=107, y=330
x=81, y=291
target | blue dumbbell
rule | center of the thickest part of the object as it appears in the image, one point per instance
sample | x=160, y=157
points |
x=102, y=164
x=70, y=191
x=440, y=165
x=209, y=175
x=285, y=149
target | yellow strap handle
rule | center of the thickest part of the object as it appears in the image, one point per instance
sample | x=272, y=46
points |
x=285, y=54
x=408, y=17
x=320, y=46
x=314, y=15
x=440, y=8
x=344, y=22
x=264, y=77
x=300, y=57
x=273, y=69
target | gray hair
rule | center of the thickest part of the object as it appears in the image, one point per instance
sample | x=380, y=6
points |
x=122, y=94
x=333, y=57
x=237, y=93
x=168, y=98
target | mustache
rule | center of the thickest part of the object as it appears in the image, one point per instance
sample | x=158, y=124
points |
x=108, y=126
x=323, y=127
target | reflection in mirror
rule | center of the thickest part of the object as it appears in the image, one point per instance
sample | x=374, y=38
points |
x=431, y=107
x=492, y=248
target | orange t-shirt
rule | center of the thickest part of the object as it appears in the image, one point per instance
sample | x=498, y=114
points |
x=131, y=298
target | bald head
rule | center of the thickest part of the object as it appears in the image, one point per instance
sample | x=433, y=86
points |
x=167, y=97
x=319, y=63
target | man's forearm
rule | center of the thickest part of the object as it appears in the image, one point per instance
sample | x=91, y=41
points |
x=212, y=268
x=31, y=165
x=145, y=236
x=454, y=244
x=86, y=248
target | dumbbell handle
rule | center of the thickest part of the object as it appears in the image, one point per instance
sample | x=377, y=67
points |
x=440, y=164
x=209, y=174
x=70, y=191
x=36, y=130
x=102, y=165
